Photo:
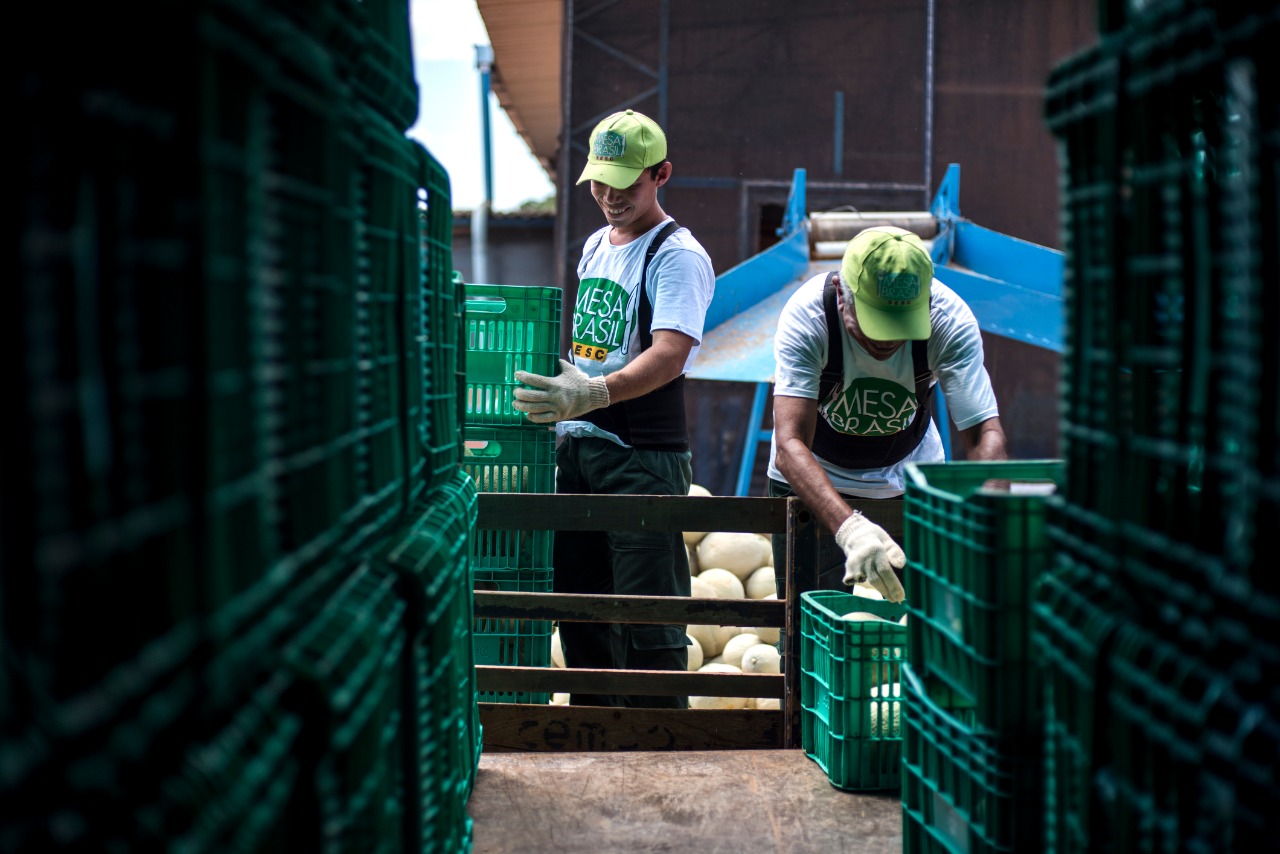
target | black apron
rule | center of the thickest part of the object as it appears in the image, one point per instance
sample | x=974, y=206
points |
x=866, y=452
x=655, y=421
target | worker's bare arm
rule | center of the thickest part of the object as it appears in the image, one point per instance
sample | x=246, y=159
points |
x=794, y=421
x=985, y=441
x=652, y=369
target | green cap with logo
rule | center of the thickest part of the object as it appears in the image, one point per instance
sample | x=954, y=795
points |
x=890, y=273
x=622, y=146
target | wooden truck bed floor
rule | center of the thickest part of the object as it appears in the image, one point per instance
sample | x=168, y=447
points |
x=731, y=801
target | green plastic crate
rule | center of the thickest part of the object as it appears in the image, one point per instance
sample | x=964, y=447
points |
x=852, y=733
x=437, y=329
x=509, y=328
x=513, y=642
x=511, y=460
x=231, y=781
x=506, y=460
x=431, y=560
x=963, y=791
x=974, y=555
x=350, y=658
x=1076, y=616
x=1156, y=713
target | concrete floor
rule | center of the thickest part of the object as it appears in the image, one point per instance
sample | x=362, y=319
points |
x=730, y=801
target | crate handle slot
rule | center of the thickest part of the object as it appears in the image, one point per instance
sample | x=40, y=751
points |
x=483, y=448
x=486, y=305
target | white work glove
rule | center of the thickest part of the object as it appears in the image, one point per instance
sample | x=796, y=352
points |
x=559, y=398
x=871, y=556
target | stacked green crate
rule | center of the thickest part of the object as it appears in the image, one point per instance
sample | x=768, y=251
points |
x=850, y=698
x=346, y=662
x=371, y=41
x=1171, y=423
x=977, y=547
x=430, y=558
x=237, y=778
x=436, y=439
x=1076, y=614
x=219, y=423
x=510, y=328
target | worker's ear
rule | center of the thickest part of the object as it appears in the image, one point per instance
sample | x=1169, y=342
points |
x=664, y=172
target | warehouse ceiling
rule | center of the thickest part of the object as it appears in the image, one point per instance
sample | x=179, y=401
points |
x=525, y=36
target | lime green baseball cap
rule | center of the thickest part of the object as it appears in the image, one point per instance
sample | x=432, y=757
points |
x=622, y=146
x=890, y=273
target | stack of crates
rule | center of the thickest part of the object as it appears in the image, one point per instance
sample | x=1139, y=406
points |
x=510, y=328
x=443, y=737
x=1163, y=727
x=977, y=547
x=850, y=688
x=235, y=376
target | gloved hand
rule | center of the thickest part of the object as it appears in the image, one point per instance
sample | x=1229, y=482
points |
x=871, y=556
x=559, y=398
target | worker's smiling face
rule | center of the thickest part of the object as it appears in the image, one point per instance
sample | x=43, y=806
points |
x=878, y=350
x=634, y=210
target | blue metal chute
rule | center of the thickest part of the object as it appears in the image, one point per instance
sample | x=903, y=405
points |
x=1014, y=288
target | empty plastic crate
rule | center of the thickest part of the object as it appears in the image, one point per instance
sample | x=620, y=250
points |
x=963, y=791
x=976, y=545
x=1076, y=617
x=849, y=694
x=509, y=328
x=513, y=642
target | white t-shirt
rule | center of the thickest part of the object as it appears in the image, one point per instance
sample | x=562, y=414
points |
x=606, y=333
x=879, y=397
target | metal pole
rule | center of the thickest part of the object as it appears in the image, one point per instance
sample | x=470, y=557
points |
x=837, y=147
x=480, y=216
x=928, y=100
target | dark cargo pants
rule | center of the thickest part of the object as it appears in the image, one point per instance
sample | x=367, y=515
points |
x=629, y=563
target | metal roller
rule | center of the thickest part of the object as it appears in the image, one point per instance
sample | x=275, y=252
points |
x=843, y=225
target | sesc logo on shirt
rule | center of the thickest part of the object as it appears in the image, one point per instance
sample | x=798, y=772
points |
x=871, y=406
x=599, y=319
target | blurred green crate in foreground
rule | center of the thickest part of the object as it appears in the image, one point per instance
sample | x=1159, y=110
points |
x=976, y=545
x=850, y=698
x=963, y=791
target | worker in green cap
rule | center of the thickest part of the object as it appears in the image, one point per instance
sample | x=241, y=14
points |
x=618, y=402
x=859, y=354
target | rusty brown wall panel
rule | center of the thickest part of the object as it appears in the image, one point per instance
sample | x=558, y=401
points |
x=992, y=59
x=751, y=89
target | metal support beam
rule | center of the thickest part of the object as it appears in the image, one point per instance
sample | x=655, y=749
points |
x=754, y=436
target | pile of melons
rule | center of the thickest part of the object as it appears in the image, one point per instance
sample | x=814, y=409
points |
x=726, y=565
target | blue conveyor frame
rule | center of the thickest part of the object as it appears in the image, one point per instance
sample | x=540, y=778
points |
x=1014, y=288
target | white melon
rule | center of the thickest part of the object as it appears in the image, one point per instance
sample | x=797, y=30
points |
x=700, y=588
x=695, y=653
x=557, y=651
x=741, y=554
x=725, y=583
x=737, y=645
x=692, y=538
x=761, y=658
x=761, y=583
x=708, y=639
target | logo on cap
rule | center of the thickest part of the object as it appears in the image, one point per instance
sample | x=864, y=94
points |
x=609, y=145
x=899, y=287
